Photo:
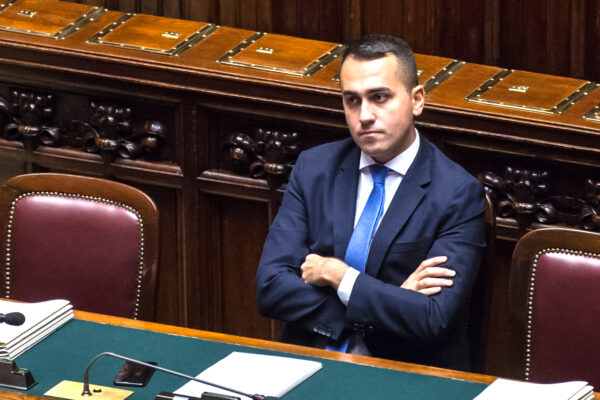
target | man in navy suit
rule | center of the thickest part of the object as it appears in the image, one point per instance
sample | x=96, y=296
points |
x=407, y=302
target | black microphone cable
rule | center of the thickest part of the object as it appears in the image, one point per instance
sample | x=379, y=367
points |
x=86, y=386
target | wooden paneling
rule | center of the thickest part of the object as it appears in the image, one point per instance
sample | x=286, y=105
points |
x=557, y=37
x=592, y=39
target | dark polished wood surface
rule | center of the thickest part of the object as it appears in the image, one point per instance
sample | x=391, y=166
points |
x=212, y=143
x=561, y=37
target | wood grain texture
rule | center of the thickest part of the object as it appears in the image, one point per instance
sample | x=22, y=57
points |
x=550, y=36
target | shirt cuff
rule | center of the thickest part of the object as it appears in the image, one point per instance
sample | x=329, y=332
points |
x=346, y=285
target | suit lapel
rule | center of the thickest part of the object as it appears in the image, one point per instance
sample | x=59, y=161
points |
x=407, y=198
x=344, y=202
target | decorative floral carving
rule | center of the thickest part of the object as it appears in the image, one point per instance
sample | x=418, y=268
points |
x=112, y=135
x=267, y=154
x=146, y=142
x=27, y=116
x=590, y=218
x=110, y=131
x=523, y=195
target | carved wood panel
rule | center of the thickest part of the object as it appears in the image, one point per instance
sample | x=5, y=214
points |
x=109, y=129
x=48, y=130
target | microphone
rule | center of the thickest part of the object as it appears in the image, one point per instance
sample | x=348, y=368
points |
x=86, y=386
x=13, y=318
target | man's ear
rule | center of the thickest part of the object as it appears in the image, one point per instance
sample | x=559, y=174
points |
x=417, y=96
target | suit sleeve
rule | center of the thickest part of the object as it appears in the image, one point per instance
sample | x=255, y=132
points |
x=414, y=317
x=280, y=291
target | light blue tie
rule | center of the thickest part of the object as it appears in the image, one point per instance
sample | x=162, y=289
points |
x=360, y=241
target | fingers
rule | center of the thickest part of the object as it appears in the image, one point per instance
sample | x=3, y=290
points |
x=430, y=282
x=434, y=282
x=431, y=262
x=431, y=291
x=312, y=257
x=437, y=272
x=322, y=271
x=307, y=268
x=429, y=278
x=433, y=287
x=308, y=261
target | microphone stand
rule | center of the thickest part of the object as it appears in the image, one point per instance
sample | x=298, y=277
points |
x=86, y=386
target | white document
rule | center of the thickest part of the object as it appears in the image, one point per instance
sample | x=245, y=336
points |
x=41, y=319
x=252, y=374
x=502, y=389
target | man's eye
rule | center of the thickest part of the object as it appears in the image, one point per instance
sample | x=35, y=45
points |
x=351, y=100
x=380, y=98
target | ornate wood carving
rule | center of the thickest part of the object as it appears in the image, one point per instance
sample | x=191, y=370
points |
x=111, y=133
x=27, y=116
x=267, y=154
x=111, y=130
x=524, y=195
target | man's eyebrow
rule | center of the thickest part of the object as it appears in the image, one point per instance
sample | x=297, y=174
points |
x=370, y=91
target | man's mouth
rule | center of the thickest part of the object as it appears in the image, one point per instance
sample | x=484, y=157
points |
x=361, y=133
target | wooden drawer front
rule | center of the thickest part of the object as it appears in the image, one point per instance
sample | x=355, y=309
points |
x=46, y=17
x=531, y=92
x=153, y=34
x=284, y=54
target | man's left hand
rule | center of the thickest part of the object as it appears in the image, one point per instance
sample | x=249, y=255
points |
x=322, y=271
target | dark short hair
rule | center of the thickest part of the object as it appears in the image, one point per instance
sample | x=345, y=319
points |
x=372, y=47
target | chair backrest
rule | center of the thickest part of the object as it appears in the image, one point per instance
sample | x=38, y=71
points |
x=555, y=307
x=91, y=241
x=479, y=305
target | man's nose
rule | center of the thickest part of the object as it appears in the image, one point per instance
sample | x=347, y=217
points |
x=366, y=115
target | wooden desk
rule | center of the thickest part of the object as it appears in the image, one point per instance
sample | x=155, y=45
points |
x=284, y=347
x=263, y=344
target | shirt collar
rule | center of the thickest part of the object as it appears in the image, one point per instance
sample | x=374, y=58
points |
x=398, y=164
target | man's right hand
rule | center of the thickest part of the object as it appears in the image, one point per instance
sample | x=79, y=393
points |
x=428, y=278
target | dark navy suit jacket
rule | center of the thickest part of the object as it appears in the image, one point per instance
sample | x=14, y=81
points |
x=437, y=210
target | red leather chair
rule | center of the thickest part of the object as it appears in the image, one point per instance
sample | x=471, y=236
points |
x=555, y=306
x=88, y=240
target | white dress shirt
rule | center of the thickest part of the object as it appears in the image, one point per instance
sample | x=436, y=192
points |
x=398, y=166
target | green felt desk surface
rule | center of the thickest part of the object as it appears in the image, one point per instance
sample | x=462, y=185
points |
x=66, y=353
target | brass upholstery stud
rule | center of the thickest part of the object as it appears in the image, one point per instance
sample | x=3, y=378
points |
x=7, y=268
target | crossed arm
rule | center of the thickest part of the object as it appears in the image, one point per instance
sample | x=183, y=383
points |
x=427, y=279
x=297, y=278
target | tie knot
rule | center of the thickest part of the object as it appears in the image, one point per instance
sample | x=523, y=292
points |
x=379, y=172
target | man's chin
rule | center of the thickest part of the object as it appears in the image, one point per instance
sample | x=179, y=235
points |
x=379, y=156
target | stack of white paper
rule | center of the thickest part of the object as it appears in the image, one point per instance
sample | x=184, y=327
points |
x=252, y=374
x=502, y=389
x=41, y=319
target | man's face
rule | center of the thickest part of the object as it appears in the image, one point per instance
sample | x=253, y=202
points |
x=379, y=109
